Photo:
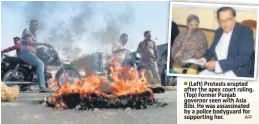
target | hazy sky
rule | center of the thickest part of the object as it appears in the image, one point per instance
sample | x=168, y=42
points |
x=152, y=16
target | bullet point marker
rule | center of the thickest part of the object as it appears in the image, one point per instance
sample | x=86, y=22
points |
x=185, y=83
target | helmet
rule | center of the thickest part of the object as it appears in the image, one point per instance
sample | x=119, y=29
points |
x=124, y=39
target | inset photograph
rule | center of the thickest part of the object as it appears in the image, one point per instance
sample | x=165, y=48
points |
x=213, y=40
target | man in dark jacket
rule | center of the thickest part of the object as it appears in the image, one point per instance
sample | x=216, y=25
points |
x=231, y=49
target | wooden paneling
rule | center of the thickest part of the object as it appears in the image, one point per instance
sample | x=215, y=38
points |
x=208, y=19
x=206, y=16
x=246, y=15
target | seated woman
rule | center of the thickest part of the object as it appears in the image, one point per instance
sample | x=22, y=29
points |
x=189, y=44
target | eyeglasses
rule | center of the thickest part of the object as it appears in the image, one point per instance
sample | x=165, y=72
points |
x=226, y=21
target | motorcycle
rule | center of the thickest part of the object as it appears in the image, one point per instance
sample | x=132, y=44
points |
x=17, y=72
x=126, y=58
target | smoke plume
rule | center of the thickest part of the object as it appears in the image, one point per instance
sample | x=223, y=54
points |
x=70, y=26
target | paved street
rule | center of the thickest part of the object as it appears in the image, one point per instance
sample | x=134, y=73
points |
x=28, y=111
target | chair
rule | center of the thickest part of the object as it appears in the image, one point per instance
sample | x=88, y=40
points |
x=251, y=24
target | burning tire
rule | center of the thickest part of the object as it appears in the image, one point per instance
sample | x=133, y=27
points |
x=71, y=73
x=91, y=101
x=129, y=89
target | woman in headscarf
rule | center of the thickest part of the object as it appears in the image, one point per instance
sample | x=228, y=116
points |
x=190, y=43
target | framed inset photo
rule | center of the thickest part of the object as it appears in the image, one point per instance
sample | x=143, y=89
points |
x=213, y=40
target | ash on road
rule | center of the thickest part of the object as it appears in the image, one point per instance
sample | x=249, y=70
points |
x=27, y=110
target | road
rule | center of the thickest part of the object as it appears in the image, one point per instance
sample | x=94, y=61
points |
x=27, y=110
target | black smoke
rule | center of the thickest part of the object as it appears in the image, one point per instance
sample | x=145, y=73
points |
x=77, y=25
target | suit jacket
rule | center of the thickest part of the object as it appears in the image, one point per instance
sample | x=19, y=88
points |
x=240, y=51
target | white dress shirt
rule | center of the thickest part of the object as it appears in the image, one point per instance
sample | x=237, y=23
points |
x=222, y=52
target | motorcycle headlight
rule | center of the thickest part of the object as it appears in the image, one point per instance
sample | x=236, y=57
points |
x=52, y=71
x=82, y=72
x=138, y=55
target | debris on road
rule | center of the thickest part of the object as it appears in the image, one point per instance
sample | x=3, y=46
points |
x=9, y=94
x=72, y=101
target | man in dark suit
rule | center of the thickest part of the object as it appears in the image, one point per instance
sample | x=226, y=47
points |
x=231, y=49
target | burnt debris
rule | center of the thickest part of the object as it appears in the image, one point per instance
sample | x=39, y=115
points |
x=91, y=101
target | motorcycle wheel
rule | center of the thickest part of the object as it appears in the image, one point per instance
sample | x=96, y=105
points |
x=71, y=73
x=11, y=76
x=21, y=75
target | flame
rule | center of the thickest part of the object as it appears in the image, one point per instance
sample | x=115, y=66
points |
x=125, y=81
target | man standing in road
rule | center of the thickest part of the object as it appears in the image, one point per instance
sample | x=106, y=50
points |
x=148, y=51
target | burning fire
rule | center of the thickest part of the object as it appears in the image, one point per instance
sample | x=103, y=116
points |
x=125, y=81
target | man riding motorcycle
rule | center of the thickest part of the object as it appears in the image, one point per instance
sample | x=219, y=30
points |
x=28, y=53
x=121, y=54
x=128, y=59
x=34, y=24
